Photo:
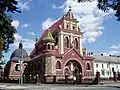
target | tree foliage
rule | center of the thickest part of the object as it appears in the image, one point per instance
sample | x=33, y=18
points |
x=7, y=31
x=9, y=6
x=105, y=5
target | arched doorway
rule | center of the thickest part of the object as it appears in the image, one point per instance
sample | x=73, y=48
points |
x=73, y=69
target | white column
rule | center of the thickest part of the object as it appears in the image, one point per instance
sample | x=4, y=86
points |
x=71, y=37
x=61, y=43
x=81, y=45
x=64, y=24
x=71, y=67
x=71, y=25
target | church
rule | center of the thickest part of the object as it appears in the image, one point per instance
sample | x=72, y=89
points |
x=59, y=52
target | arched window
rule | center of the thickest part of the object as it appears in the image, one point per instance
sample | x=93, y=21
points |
x=87, y=66
x=66, y=42
x=67, y=26
x=17, y=67
x=58, y=65
x=73, y=27
x=52, y=47
x=48, y=46
x=76, y=43
x=44, y=47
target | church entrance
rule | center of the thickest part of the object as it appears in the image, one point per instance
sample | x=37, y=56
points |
x=74, y=71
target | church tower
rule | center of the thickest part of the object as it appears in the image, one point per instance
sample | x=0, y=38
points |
x=48, y=48
x=70, y=35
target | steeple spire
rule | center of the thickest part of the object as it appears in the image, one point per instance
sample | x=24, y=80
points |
x=37, y=38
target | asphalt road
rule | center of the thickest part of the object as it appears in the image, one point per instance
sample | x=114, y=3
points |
x=73, y=88
x=59, y=87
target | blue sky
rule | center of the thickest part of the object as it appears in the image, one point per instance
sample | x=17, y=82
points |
x=101, y=30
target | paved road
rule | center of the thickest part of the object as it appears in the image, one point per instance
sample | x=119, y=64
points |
x=74, y=88
x=59, y=87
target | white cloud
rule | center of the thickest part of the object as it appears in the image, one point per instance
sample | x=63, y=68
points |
x=18, y=38
x=89, y=16
x=28, y=44
x=47, y=23
x=115, y=50
x=31, y=33
x=91, y=40
x=15, y=23
x=24, y=5
x=25, y=25
x=54, y=6
x=115, y=46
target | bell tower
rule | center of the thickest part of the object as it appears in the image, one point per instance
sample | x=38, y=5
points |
x=70, y=34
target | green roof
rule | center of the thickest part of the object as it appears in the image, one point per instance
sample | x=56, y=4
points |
x=49, y=37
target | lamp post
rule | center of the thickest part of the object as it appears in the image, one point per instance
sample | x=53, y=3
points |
x=21, y=61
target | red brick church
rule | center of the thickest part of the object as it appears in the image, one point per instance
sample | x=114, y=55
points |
x=59, y=53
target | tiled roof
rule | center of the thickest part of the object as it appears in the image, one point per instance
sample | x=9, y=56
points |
x=55, y=26
x=53, y=52
x=99, y=58
x=49, y=37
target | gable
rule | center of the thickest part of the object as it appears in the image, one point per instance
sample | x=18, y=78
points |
x=72, y=53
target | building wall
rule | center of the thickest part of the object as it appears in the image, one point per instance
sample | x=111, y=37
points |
x=50, y=66
x=107, y=67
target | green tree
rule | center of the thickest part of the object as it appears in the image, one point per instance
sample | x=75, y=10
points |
x=7, y=31
x=105, y=5
x=9, y=6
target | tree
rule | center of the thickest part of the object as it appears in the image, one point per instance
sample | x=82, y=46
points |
x=105, y=5
x=9, y=6
x=7, y=31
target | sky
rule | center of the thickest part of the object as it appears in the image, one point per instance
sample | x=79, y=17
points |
x=101, y=29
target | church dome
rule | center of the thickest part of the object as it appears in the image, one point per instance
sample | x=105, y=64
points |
x=17, y=53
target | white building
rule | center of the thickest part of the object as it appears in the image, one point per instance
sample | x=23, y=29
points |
x=106, y=65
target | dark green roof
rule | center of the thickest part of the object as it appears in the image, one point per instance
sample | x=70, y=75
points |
x=49, y=37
